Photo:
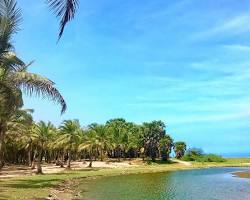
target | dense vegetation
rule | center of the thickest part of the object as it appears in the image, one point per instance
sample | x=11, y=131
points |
x=15, y=79
x=117, y=139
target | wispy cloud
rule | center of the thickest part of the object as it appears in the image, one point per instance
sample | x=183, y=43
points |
x=233, y=26
x=237, y=47
x=208, y=118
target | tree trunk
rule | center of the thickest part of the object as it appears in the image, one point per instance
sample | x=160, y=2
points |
x=39, y=166
x=62, y=160
x=33, y=165
x=2, y=132
x=90, y=159
x=30, y=156
x=119, y=153
x=69, y=160
x=101, y=154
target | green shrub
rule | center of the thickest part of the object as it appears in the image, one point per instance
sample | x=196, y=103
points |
x=213, y=158
x=193, y=154
x=198, y=156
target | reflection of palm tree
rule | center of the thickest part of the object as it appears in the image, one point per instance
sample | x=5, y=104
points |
x=14, y=76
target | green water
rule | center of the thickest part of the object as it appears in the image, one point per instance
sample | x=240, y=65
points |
x=204, y=184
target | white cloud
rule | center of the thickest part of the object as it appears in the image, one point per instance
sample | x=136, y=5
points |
x=231, y=26
x=237, y=47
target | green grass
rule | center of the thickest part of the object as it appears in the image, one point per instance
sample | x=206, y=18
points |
x=229, y=162
x=37, y=187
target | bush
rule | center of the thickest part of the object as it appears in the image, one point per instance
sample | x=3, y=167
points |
x=198, y=156
x=213, y=158
x=193, y=154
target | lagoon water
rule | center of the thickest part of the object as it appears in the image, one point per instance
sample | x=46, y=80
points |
x=202, y=184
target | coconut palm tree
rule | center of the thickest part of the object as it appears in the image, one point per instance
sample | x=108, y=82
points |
x=14, y=76
x=70, y=138
x=41, y=135
x=17, y=127
x=90, y=143
x=58, y=147
x=117, y=127
x=104, y=139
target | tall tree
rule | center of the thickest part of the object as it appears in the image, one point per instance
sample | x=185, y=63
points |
x=41, y=134
x=90, y=143
x=166, y=144
x=16, y=133
x=70, y=138
x=118, y=129
x=179, y=149
x=103, y=137
x=153, y=132
x=14, y=77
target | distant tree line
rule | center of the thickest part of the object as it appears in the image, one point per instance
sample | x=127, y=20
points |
x=31, y=143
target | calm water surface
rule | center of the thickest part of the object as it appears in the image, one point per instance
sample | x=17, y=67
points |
x=203, y=184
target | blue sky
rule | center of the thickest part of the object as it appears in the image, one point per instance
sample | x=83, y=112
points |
x=185, y=62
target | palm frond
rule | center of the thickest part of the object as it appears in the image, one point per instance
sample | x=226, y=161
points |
x=35, y=84
x=10, y=18
x=65, y=10
x=9, y=61
x=10, y=98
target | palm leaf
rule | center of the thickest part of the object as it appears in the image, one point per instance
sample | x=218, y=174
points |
x=65, y=10
x=40, y=86
x=10, y=18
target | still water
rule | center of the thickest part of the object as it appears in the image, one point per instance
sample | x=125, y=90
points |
x=203, y=184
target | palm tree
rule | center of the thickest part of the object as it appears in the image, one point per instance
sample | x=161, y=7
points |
x=134, y=139
x=41, y=135
x=17, y=127
x=70, y=138
x=166, y=144
x=58, y=148
x=103, y=137
x=179, y=149
x=118, y=129
x=90, y=143
x=14, y=77
x=153, y=132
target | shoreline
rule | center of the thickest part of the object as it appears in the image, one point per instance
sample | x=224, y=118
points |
x=63, y=184
x=74, y=194
x=240, y=174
